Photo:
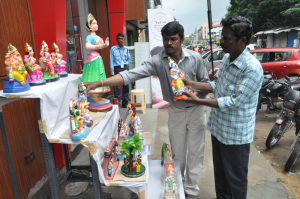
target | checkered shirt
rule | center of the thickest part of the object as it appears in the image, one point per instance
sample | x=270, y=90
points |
x=236, y=89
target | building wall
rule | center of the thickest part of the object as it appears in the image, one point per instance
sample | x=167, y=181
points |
x=16, y=28
x=280, y=40
x=270, y=40
x=135, y=9
x=49, y=19
x=292, y=35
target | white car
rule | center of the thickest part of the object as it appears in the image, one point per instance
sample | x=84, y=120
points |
x=253, y=46
x=218, y=55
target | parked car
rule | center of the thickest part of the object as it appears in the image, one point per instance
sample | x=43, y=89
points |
x=218, y=55
x=288, y=65
x=253, y=46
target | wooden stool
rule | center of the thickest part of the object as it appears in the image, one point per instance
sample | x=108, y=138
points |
x=140, y=92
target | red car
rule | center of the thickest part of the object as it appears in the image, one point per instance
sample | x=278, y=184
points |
x=280, y=61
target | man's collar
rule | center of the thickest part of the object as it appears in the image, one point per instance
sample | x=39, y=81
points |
x=183, y=54
x=120, y=47
x=238, y=62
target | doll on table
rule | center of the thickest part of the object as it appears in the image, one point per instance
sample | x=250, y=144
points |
x=47, y=64
x=35, y=74
x=16, y=72
x=60, y=64
x=93, y=69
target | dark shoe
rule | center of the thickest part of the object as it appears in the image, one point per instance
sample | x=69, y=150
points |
x=124, y=105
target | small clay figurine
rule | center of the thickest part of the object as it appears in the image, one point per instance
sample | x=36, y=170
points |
x=35, y=74
x=47, y=64
x=59, y=63
x=16, y=72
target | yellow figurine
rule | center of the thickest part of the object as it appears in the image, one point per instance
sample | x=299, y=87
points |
x=138, y=167
x=14, y=65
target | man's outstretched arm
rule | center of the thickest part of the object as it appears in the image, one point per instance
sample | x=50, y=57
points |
x=112, y=81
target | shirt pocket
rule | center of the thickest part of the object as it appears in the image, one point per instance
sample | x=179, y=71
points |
x=117, y=54
x=229, y=89
x=191, y=75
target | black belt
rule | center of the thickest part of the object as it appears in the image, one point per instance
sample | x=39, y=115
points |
x=120, y=66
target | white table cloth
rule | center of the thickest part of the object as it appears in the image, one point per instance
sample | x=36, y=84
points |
x=54, y=104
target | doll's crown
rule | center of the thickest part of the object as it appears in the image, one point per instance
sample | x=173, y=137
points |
x=11, y=48
x=44, y=44
x=27, y=48
x=89, y=18
x=54, y=46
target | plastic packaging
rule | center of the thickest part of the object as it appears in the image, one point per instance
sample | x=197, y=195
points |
x=169, y=179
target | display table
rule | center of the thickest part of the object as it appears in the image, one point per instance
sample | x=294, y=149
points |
x=155, y=186
x=52, y=105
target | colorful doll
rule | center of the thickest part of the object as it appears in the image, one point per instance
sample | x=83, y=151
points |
x=93, y=69
x=16, y=72
x=35, y=74
x=47, y=64
x=79, y=117
x=59, y=63
x=176, y=82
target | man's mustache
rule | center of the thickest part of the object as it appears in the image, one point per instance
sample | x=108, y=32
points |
x=169, y=46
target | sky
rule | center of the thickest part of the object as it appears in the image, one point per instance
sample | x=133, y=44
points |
x=192, y=13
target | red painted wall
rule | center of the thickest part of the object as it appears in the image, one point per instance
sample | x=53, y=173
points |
x=49, y=20
x=116, y=11
x=116, y=5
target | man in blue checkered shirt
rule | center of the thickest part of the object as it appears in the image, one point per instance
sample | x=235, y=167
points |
x=232, y=118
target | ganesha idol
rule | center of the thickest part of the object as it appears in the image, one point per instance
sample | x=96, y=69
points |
x=35, y=74
x=16, y=72
x=47, y=64
x=59, y=63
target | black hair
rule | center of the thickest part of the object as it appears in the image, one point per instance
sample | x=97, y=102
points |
x=240, y=26
x=280, y=55
x=87, y=24
x=172, y=28
x=120, y=35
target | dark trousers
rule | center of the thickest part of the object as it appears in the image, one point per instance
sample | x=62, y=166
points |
x=118, y=69
x=230, y=169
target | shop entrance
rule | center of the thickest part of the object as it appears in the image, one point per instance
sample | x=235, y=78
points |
x=77, y=12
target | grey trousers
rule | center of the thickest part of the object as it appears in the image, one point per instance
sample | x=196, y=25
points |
x=187, y=137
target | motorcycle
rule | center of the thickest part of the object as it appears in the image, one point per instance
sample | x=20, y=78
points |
x=288, y=117
x=272, y=89
x=294, y=104
x=295, y=154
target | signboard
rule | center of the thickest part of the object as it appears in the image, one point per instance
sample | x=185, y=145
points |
x=157, y=18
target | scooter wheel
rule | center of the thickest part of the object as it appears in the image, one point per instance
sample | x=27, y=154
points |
x=293, y=158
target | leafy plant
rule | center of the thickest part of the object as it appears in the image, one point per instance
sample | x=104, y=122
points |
x=129, y=147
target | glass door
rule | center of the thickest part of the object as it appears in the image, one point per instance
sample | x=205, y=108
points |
x=77, y=12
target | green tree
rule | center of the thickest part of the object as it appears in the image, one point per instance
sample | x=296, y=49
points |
x=129, y=147
x=266, y=14
x=186, y=42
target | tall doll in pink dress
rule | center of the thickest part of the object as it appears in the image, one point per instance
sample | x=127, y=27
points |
x=93, y=69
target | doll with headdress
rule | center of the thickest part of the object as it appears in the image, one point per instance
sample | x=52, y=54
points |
x=16, y=72
x=59, y=63
x=93, y=69
x=35, y=74
x=47, y=64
